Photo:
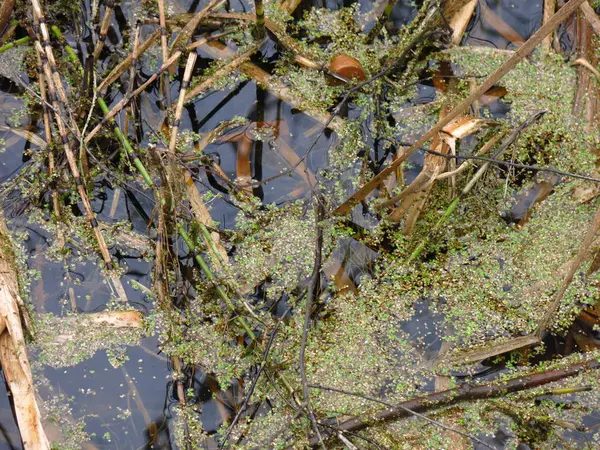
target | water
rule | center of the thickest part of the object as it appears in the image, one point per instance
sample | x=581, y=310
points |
x=131, y=407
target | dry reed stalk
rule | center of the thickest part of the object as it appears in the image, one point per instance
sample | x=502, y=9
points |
x=47, y=56
x=134, y=59
x=48, y=133
x=109, y=5
x=163, y=30
x=132, y=75
x=460, y=21
x=133, y=94
x=549, y=8
x=125, y=100
x=290, y=5
x=187, y=75
x=13, y=352
x=227, y=69
x=259, y=9
x=126, y=63
x=49, y=67
x=591, y=16
x=184, y=36
x=507, y=66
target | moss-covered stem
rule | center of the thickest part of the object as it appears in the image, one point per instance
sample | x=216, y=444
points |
x=127, y=146
x=212, y=277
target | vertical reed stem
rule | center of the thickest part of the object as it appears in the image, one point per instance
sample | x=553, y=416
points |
x=187, y=75
x=104, y=28
x=260, y=19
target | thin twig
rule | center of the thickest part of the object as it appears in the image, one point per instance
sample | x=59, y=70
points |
x=466, y=392
x=256, y=378
x=312, y=293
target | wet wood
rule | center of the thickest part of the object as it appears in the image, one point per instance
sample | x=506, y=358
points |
x=549, y=9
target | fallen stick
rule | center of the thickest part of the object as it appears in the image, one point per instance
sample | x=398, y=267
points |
x=228, y=68
x=460, y=21
x=463, y=393
x=184, y=36
x=507, y=66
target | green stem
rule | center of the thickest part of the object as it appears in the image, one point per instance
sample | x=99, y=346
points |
x=260, y=19
x=211, y=243
x=12, y=44
x=449, y=210
x=70, y=52
x=211, y=276
x=126, y=145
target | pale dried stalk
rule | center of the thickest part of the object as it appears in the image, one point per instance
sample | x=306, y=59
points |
x=132, y=74
x=460, y=21
x=187, y=75
x=53, y=83
x=134, y=60
x=163, y=30
x=111, y=319
x=52, y=76
x=13, y=352
x=131, y=95
x=104, y=29
x=549, y=8
x=516, y=57
x=591, y=17
x=126, y=99
x=48, y=132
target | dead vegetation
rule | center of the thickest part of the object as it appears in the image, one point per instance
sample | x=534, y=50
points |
x=360, y=242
